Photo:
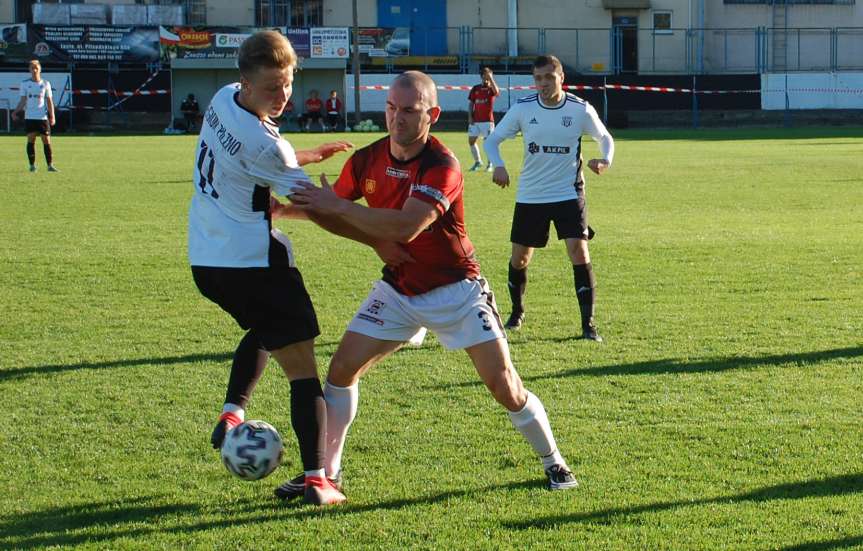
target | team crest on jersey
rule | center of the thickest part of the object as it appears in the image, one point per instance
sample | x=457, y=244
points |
x=532, y=148
x=566, y=121
x=370, y=186
x=397, y=173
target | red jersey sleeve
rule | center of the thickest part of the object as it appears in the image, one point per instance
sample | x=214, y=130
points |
x=440, y=186
x=472, y=95
x=346, y=186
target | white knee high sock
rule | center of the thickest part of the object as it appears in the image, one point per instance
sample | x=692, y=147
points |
x=532, y=423
x=474, y=150
x=341, y=410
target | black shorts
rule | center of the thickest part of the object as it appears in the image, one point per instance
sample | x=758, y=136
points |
x=38, y=126
x=531, y=222
x=271, y=301
x=333, y=120
x=313, y=115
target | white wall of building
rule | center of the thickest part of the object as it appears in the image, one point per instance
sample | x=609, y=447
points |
x=812, y=91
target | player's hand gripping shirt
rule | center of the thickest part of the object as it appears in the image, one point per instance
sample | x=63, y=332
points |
x=443, y=252
x=238, y=160
x=482, y=97
x=552, y=168
x=37, y=94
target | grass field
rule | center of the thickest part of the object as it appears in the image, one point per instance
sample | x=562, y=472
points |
x=723, y=410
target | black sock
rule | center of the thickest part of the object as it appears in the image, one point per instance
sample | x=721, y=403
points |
x=31, y=152
x=585, y=290
x=517, y=284
x=46, y=147
x=309, y=419
x=247, y=368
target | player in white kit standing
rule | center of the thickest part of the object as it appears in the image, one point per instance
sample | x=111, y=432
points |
x=37, y=104
x=244, y=265
x=551, y=185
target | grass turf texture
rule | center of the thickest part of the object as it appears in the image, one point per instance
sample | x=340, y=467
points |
x=723, y=410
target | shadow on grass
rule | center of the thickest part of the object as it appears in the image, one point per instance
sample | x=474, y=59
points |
x=57, y=526
x=108, y=520
x=675, y=366
x=29, y=371
x=824, y=487
x=843, y=543
x=23, y=372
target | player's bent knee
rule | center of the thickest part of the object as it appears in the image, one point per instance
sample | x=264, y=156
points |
x=508, y=391
x=343, y=372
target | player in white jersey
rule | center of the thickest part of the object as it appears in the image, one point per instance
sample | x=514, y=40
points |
x=37, y=105
x=551, y=185
x=242, y=264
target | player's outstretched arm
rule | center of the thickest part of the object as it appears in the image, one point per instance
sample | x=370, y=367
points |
x=322, y=152
x=401, y=226
x=390, y=252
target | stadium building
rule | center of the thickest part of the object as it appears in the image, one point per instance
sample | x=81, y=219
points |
x=112, y=59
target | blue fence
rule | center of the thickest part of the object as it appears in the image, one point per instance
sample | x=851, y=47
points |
x=624, y=50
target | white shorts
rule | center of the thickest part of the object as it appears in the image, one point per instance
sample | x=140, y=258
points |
x=461, y=314
x=480, y=129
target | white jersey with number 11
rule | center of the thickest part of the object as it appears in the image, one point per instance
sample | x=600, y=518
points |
x=238, y=160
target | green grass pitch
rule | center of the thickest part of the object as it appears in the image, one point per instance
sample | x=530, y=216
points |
x=723, y=410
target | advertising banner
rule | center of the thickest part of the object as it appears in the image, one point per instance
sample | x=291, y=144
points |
x=204, y=42
x=13, y=42
x=92, y=44
x=330, y=42
x=384, y=42
x=299, y=37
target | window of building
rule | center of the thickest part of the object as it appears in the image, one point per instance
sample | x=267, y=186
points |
x=290, y=13
x=662, y=22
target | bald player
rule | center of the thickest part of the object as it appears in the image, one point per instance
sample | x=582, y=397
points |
x=413, y=187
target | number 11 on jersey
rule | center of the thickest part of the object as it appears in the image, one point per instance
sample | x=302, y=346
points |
x=206, y=156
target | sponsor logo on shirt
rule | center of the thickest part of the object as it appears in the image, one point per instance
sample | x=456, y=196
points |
x=556, y=149
x=566, y=121
x=532, y=148
x=371, y=319
x=397, y=173
x=370, y=185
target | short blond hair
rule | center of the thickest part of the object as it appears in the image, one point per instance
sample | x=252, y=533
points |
x=35, y=62
x=265, y=49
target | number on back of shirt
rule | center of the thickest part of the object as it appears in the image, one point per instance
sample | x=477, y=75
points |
x=205, y=176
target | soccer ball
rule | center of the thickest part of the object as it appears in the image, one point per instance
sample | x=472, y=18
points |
x=252, y=450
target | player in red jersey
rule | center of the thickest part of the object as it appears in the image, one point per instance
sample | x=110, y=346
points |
x=480, y=115
x=314, y=105
x=415, y=220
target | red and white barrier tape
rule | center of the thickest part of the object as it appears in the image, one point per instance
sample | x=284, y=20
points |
x=118, y=93
x=661, y=89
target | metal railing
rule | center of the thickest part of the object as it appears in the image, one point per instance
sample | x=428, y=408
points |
x=620, y=50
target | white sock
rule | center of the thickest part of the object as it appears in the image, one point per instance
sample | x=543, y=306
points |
x=341, y=410
x=474, y=150
x=235, y=409
x=532, y=423
x=315, y=472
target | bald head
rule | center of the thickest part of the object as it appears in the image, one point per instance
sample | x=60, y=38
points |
x=420, y=82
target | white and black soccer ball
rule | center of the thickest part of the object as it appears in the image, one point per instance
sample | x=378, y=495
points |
x=252, y=450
